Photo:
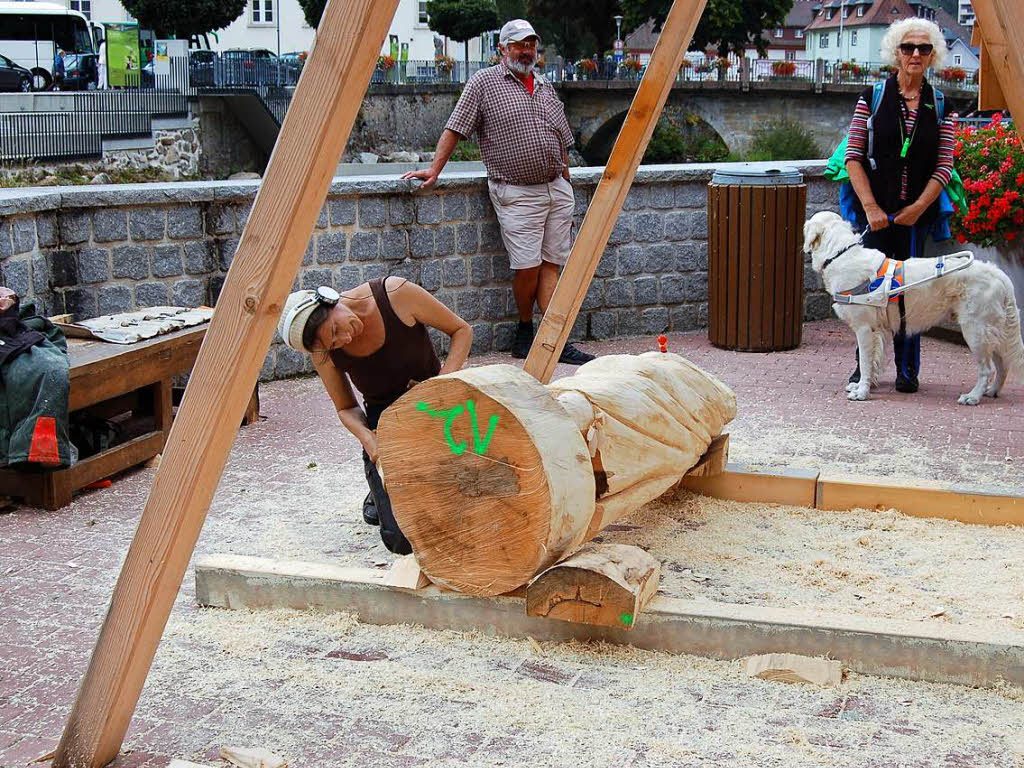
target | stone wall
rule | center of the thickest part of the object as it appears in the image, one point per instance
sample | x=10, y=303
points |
x=178, y=151
x=106, y=249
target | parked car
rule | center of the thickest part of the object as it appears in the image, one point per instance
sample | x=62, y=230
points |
x=254, y=66
x=14, y=77
x=201, y=66
x=291, y=66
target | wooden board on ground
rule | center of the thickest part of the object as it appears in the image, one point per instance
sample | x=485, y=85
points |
x=405, y=573
x=776, y=486
x=868, y=645
x=791, y=668
x=604, y=584
x=714, y=460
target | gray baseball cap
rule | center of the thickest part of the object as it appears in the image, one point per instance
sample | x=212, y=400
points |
x=516, y=31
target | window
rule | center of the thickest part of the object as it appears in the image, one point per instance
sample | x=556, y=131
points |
x=853, y=37
x=823, y=40
x=839, y=39
x=828, y=14
x=846, y=12
x=262, y=12
x=780, y=32
x=956, y=60
x=790, y=55
x=799, y=34
x=82, y=6
x=860, y=10
x=422, y=12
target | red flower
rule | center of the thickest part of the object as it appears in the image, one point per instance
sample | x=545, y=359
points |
x=1010, y=236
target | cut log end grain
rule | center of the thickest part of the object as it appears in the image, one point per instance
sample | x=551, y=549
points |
x=791, y=668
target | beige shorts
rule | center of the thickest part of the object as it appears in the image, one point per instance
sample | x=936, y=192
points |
x=535, y=220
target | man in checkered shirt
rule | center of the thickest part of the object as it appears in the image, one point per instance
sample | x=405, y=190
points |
x=524, y=138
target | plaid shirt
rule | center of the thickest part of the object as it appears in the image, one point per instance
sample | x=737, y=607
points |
x=521, y=137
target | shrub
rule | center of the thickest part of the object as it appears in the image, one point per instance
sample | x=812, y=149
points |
x=784, y=68
x=633, y=65
x=670, y=145
x=587, y=65
x=953, y=74
x=783, y=139
x=444, y=63
x=465, y=151
x=991, y=162
x=386, y=62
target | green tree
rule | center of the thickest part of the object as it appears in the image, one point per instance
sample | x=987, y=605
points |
x=462, y=20
x=576, y=27
x=182, y=18
x=312, y=10
x=728, y=25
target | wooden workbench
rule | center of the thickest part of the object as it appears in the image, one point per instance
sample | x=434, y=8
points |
x=110, y=379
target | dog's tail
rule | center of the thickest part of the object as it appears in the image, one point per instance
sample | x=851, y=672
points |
x=1012, y=348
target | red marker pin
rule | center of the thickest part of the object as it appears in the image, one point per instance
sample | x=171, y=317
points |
x=663, y=343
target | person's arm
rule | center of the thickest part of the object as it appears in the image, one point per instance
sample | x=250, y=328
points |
x=856, y=154
x=565, y=161
x=413, y=300
x=349, y=412
x=445, y=146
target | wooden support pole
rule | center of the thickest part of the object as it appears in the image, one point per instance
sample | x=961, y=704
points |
x=1002, y=37
x=611, y=191
x=311, y=141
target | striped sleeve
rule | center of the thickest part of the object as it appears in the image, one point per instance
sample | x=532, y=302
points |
x=857, y=138
x=944, y=166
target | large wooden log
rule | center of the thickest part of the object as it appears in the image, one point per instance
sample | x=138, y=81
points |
x=494, y=477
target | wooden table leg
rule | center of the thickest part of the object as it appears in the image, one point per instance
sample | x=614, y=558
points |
x=252, y=411
x=162, y=406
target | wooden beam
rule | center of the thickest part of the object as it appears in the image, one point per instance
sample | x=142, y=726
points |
x=611, y=190
x=1002, y=37
x=311, y=141
x=714, y=460
x=788, y=485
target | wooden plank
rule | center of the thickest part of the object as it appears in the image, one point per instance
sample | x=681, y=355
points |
x=737, y=483
x=732, y=271
x=604, y=208
x=714, y=460
x=276, y=234
x=866, y=644
x=1002, y=34
x=948, y=503
x=770, y=321
x=990, y=93
x=791, y=668
x=757, y=268
x=743, y=279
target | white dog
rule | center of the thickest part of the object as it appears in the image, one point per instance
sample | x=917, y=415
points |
x=980, y=296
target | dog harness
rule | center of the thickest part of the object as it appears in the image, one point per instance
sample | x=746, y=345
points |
x=889, y=285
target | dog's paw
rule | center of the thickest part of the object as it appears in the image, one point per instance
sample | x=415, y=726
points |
x=967, y=399
x=852, y=386
x=992, y=393
x=860, y=393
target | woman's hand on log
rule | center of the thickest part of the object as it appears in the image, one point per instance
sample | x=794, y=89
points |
x=369, y=441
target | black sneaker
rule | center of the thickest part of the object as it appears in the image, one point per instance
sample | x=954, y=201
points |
x=370, y=510
x=523, y=341
x=574, y=356
x=909, y=386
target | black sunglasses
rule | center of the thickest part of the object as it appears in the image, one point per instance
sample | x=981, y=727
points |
x=907, y=49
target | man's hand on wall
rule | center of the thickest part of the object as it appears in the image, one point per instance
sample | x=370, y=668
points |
x=428, y=176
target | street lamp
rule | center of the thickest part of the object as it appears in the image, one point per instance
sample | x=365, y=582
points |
x=618, y=27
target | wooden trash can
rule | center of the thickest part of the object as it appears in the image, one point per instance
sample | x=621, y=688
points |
x=755, y=265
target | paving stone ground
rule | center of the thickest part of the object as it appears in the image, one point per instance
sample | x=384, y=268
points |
x=327, y=691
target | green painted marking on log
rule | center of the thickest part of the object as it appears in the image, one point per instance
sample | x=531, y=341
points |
x=450, y=414
x=627, y=619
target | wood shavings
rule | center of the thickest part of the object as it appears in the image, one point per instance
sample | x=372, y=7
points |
x=536, y=646
x=248, y=757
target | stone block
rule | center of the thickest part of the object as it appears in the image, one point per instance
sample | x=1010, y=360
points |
x=109, y=225
x=684, y=318
x=166, y=261
x=63, y=269
x=646, y=290
x=421, y=243
x=24, y=231
x=692, y=195
x=394, y=244
x=147, y=223
x=342, y=211
x=817, y=306
x=184, y=221
x=93, y=265
x=114, y=299
x=320, y=223
x=594, y=297
x=365, y=246
x=686, y=256
x=629, y=323
x=601, y=324
x=654, y=320
x=581, y=201
x=73, y=227
x=699, y=225
x=309, y=255
x=188, y=292
x=348, y=278
x=242, y=211
x=401, y=210
x=503, y=336
x=214, y=288
x=311, y=279
x=618, y=292
x=468, y=239
x=500, y=267
x=673, y=289
x=151, y=295
x=696, y=286
x=479, y=270
x=410, y=270
x=130, y=261
x=430, y=275
x=448, y=298
x=482, y=338
x=606, y=264
x=659, y=257
x=373, y=271
x=220, y=219
x=373, y=212
x=40, y=274
x=331, y=247
x=454, y=272
x=441, y=341
x=46, y=230
x=578, y=332
x=630, y=259
x=226, y=252
x=623, y=231
x=428, y=209
x=454, y=207
x=16, y=276
x=661, y=196
x=677, y=226
x=490, y=237
x=200, y=257
x=6, y=244
x=289, y=362
x=812, y=280
x=444, y=241
x=494, y=307
x=269, y=363
x=469, y=305
x=478, y=206
x=636, y=198
x=81, y=303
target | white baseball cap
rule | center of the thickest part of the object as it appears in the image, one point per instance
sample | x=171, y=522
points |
x=297, y=309
x=516, y=31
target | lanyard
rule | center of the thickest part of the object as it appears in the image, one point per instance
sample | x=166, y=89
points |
x=904, y=114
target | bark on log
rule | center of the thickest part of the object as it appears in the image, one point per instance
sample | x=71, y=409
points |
x=494, y=477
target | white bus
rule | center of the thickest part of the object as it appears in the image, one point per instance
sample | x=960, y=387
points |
x=31, y=33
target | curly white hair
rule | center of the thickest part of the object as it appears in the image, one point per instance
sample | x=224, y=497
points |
x=898, y=30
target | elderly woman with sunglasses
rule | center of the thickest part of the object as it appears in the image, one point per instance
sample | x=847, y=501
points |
x=900, y=161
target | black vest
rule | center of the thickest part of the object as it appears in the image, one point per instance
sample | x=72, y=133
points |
x=889, y=134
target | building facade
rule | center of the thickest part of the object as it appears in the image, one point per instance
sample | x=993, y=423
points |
x=789, y=42
x=965, y=13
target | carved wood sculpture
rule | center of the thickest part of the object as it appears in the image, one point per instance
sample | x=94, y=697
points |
x=494, y=477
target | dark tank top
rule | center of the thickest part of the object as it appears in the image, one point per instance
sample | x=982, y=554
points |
x=406, y=355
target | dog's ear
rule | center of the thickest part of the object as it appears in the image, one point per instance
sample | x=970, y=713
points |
x=813, y=230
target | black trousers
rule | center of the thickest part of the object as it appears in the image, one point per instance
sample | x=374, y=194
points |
x=390, y=533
